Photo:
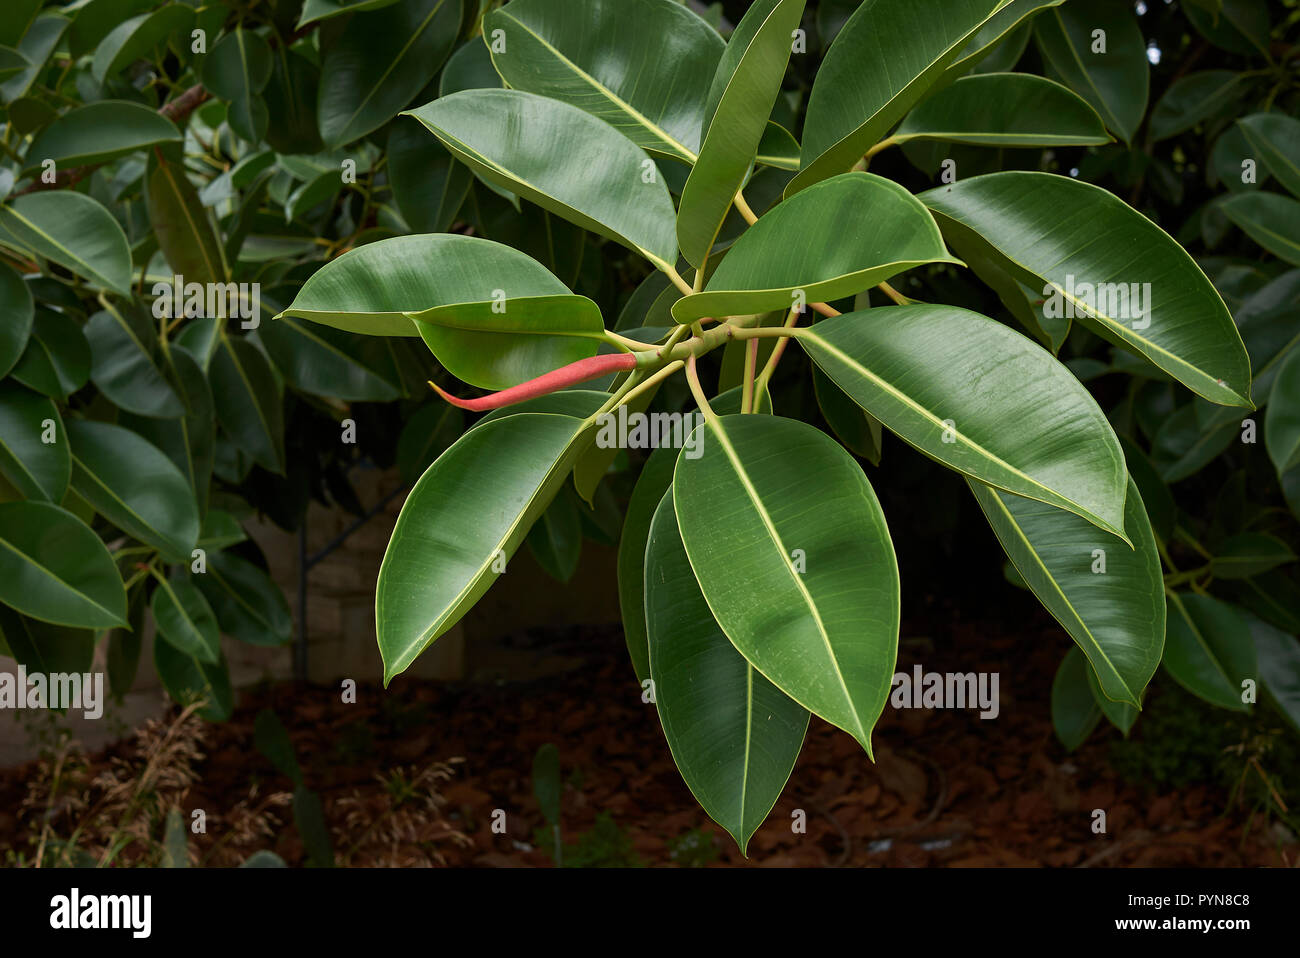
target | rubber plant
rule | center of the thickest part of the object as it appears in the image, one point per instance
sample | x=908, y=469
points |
x=758, y=578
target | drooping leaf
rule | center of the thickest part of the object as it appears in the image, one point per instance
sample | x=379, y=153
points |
x=428, y=185
x=322, y=360
x=188, y=679
x=248, y=401
x=1248, y=554
x=555, y=540
x=514, y=139
x=1282, y=417
x=1022, y=220
x=46, y=648
x=461, y=524
x=1014, y=18
x=185, y=232
x=237, y=69
x=124, y=355
x=1075, y=712
x=1278, y=655
x=802, y=527
x=1192, y=99
x=426, y=436
x=1097, y=49
x=927, y=373
x=643, y=66
x=185, y=619
x=133, y=485
x=54, y=568
x=19, y=309
x=383, y=59
x=138, y=37
x=246, y=601
x=733, y=734
x=1209, y=650
x=1110, y=598
x=843, y=236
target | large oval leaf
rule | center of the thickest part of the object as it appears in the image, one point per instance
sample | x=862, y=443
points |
x=1270, y=219
x=1004, y=110
x=843, y=236
x=643, y=66
x=744, y=87
x=99, y=132
x=1209, y=649
x=1098, y=50
x=237, y=69
x=1052, y=229
x=54, y=568
x=1278, y=655
x=888, y=54
x=780, y=506
x=1275, y=138
x=428, y=185
x=248, y=401
x=1015, y=17
x=56, y=361
x=324, y=361
x=124, y=363
x=1282, y=418
x=133, y=485
x=1110, y=598
x=34, y=454
x=938, y=377
x=188, y=679
x=185, y=232
x=138, y=37
x=733, y=734
x=462, y=522
x=523, y=142
x=383, y=59
x=72, y=230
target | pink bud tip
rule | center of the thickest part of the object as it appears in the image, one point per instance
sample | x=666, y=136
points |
x=557, y=379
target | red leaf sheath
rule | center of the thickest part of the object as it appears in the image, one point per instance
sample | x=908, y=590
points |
x=556, y=379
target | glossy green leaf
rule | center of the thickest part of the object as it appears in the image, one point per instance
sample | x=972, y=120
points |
x=132, y=484
x=73, y=230
x=290, y=97
x=18, y=309
x=1270, y=219
x=927, y=373
x=1208, y=649
x=1109, y=598
x=220, y=530
x=1055, y=230
x=36, y=47
x=138, y=37
x=185, y=232
x=314, y=10
x=516, y=140
x=746, y=83
x=778, y=148
x=1192, y=99
x=469, y=68
x=843, y=236
x=468, y=513
x=733, y=734
x=373, y=288
x=99, y=132
x=188, y=441
x=237, y=69
x=188, y=679
x=1239, y=26
x=1075, y=712
x=34, y=454
x=428, y=185
x=883, y=61
x=1181, y=447
x=96, y=18
x=1248, y=554
x=656, y=478
x=1004, y=110
x=124, y=354
x=1282, y=417
x=1275, y=138
x=56, y=361
x=54, y=568
x=123, y=646
x=248, y=401
x=185, y=619
x=383, y=59
x=779, y=505
x=245, y=600
x=322, y=360
x=16, y=19
x=1108, y=69
x=855, y=428
x=643, y=66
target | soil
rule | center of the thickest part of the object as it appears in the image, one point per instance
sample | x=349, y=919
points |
x=947, y=789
